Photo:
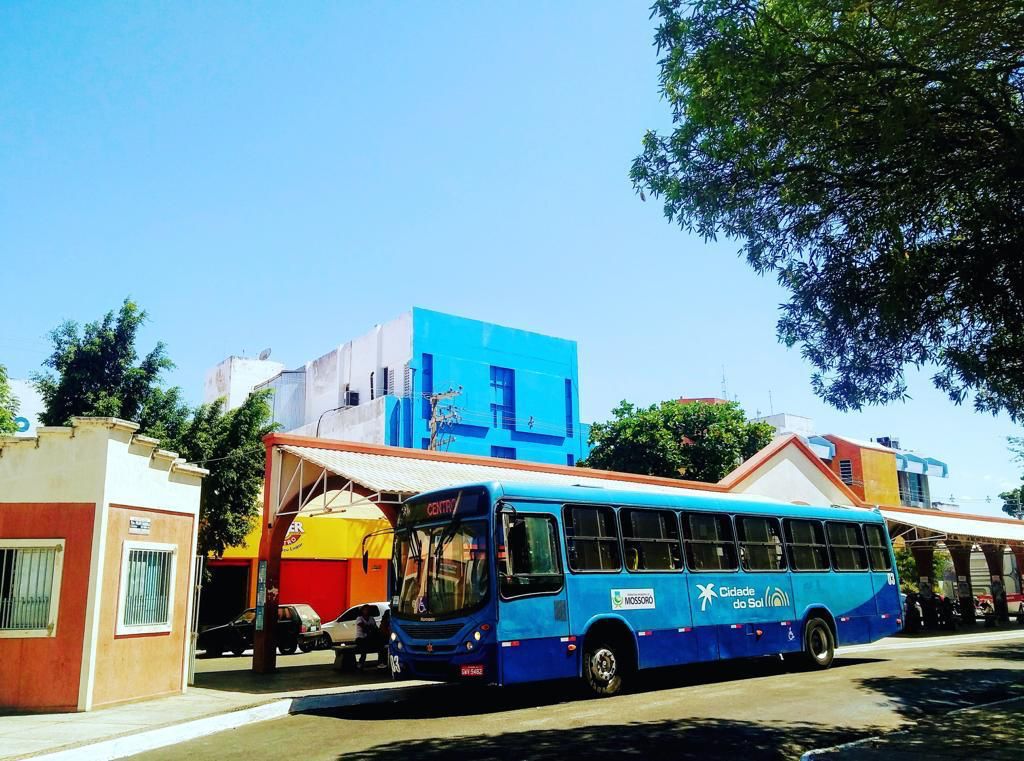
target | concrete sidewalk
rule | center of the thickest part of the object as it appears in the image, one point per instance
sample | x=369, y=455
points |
x=994, y=732
x=227, y=695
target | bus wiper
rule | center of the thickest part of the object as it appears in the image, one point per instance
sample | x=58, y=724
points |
x=449, y=531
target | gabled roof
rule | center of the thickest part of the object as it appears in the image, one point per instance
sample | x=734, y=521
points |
x=755, y=463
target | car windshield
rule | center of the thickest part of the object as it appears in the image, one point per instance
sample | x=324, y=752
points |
x=246, y=618
x=441, y=570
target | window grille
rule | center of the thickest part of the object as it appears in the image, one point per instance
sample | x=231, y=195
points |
x=503, y=397
x=846, y=472
x=147, y=587
x=709, y=542
x=26, y=587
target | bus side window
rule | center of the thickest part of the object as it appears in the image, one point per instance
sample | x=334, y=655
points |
x=710, y=545
x=651, y=539
x=591, y=538
x=807, y=548
x=878, y=548
x=760, y=542
x=848, y=553
x=531, y=564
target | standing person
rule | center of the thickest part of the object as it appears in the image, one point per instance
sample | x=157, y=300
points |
x=367, y=634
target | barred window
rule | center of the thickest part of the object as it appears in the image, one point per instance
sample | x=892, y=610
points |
x=760, y=542
x=807, y=548
x=591, y=541
x=709, y=542
x=651, y=539
x=30, y=572
x=147, y=584
x=848, y=553
x=878, y=548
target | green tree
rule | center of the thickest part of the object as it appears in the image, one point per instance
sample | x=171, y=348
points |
x=1012, y=504
x=906, y=567
x=97, y=372
x=696, y=440
x=8, y=405
x=230, y=445
x=870, y=155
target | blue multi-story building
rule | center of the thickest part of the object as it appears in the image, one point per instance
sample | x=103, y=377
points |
x=430, y=380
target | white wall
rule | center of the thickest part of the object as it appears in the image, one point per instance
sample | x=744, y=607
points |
x=388, y=345
x=365, y=424
x=789, y=476
x=235, y=377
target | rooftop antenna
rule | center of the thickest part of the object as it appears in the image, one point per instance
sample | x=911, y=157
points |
x=771, y=406
x=265, y=354
x=725, y=390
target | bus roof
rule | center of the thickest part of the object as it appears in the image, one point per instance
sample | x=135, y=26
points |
x=684, y=500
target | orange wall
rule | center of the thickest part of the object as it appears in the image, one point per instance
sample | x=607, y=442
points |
x=368, y=587
x=847, y=451
x=874, y=472
x=134, y=666
x=43, y=673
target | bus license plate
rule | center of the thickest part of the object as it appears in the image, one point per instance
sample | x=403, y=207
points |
x=472, y=669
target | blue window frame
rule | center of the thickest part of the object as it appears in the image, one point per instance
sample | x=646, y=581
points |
x=503, y=397
x=428, y=383
x=506, y=453
x=570, y=460
x=568, y=409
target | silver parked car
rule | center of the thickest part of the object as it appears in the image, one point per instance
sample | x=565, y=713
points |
x=342, y=630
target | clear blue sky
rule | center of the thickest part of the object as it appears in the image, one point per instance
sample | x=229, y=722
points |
x=287, y=176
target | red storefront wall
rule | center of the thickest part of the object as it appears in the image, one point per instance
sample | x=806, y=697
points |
x=320, y=583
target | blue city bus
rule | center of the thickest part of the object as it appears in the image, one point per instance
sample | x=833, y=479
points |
x=504, y=583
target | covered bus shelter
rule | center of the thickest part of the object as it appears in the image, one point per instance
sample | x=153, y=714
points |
x=923, y=530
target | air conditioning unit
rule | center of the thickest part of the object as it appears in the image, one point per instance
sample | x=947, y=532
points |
x=352, y=398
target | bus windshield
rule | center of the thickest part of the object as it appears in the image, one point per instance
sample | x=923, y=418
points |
x=441, y=570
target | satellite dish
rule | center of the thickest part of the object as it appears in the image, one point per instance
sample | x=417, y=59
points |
x=265, y=354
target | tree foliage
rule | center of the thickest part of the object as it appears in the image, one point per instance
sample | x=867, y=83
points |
x=8, y=405
x=696, y=440
x=229, y=445
x=1012, y=500
x=871, y=156
x=97, y=373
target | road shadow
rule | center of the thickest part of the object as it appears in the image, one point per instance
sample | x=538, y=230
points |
x=678, y=740
x=471, y=700
x=1010, y=652
x=932, y=692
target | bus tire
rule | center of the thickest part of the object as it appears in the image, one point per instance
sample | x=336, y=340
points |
x=819, y=645
x=604, y=667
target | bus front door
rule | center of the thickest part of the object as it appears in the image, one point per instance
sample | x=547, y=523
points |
x=533, y=615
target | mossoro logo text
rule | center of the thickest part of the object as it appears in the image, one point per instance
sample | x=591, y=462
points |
x=632, y=599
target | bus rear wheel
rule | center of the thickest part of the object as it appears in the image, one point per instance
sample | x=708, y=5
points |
x=819, y=645
x=603, y=668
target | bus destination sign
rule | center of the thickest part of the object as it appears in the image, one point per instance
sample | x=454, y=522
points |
x=461, y=504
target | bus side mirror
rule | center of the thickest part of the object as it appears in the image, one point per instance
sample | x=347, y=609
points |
x=366, y=561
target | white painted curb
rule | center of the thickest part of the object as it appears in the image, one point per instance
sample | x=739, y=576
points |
x=140, y=742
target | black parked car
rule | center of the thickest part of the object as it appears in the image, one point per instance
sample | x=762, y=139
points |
x=297, y=626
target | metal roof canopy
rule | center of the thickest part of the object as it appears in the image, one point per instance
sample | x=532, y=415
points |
x=304, y=477
x=969, y=528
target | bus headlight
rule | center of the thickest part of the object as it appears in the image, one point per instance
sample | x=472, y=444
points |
x=398, y=644
x=469, y=645
x=476, y=636
x=393, y=636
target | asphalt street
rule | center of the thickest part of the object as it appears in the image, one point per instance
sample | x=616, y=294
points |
x=743, y=709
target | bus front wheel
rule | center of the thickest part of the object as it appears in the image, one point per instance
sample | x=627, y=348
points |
x=603, y=668
x=819, y=645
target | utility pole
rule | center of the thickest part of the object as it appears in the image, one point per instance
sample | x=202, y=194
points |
x=441, y=417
